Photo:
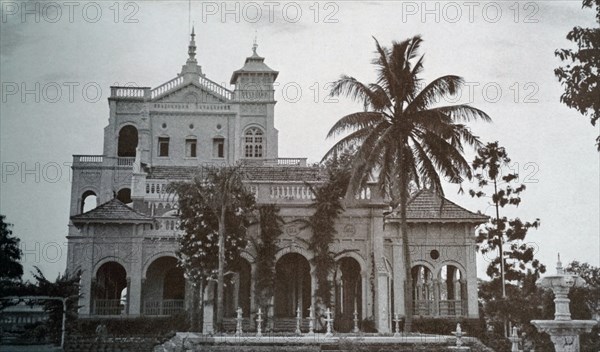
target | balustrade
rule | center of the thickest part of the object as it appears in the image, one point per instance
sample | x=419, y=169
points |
x=108, y=307
x=129, y=92
x=163, y=307
x=291, y=192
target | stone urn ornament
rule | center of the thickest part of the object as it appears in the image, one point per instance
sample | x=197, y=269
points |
x=563, y=331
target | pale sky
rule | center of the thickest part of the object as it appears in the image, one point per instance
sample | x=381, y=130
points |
x=504, y=47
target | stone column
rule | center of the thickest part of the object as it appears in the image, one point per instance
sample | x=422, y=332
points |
x=382, y=309
x=399, y=279
x=471, y=274
x=86, y=300
x=365, y=295
x=134, y=286
x=435, y=311
x=253, y=274
x=209, y=298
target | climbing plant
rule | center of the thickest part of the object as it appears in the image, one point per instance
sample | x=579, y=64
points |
x=266, y=247
x=328, y=206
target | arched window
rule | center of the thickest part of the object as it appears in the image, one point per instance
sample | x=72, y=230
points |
x=124, y=195
x=128, y=141
x=88, y=201
x=253, y=143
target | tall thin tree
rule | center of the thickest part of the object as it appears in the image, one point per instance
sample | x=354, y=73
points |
x=216, y=199
x=403, y=135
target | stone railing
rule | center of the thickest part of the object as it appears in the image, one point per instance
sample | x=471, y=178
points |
x=291, y=192
x=129, y=92
x=214, y=108
x=254, y=95
x=125, y=161
x=163, y=307
x=156, y=188
x=204, y=82
x=88, y=159
x=97, y=160
x=216, y=88
x=291, y=162
x=165, y=87
x=108, y=307
x=439, y=308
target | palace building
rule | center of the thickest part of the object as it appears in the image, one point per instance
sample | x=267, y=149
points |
x=125, y=247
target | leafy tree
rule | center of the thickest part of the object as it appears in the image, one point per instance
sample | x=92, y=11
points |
x=403, y=135
x=491, y=167
x=533, y=303
x=515, y=263
x=10, y=253
x=580, y=77
x=64, y=286
x=589, y=296
x=213, y=209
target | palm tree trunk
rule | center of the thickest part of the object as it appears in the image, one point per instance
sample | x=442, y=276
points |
x=408, y=287
x=221, y=271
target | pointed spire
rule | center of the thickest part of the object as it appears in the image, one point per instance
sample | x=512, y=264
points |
x=559, y=267
x=192, y=49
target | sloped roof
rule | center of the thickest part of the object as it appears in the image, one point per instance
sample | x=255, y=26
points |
x=426, y=205
x=250, y=173
x=113, y=210
x=253, y=64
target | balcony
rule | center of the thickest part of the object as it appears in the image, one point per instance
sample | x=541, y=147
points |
x=84, y=161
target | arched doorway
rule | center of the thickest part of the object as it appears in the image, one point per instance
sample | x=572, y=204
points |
x=128, y=141
x=238, y=289
x=292, y=285
x=423, y=297
x=451, y=297
x=110, y=290
x=348, y=294
x=164, y=288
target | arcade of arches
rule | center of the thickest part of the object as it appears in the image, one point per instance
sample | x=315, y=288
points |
x=163, y=289
x=441, y=295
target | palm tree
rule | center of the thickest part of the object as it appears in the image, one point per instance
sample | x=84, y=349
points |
x=403, y=136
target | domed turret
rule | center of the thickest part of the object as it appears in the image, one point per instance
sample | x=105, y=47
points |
x=254, y=81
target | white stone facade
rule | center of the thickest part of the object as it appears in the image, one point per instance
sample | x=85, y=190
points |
x=154, y=136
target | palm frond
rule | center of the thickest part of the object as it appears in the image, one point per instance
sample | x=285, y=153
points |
x=355, y=121
x=464, y=113
x=435, y=91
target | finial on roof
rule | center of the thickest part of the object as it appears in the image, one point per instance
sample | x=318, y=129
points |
x=255, y=45
x=559, y=267
x=192, y=48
